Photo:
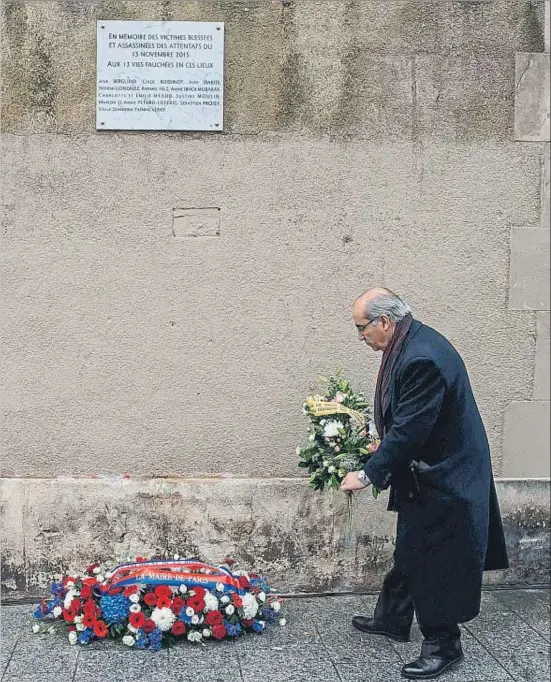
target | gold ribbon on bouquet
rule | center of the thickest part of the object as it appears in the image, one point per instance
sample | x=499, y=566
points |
x=323, y=408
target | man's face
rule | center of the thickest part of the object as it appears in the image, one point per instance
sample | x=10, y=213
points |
x=375, y=333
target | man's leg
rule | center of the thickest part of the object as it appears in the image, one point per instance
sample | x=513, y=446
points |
x=394, y=611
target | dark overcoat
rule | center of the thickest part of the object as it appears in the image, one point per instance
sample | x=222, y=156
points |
x=436, y=459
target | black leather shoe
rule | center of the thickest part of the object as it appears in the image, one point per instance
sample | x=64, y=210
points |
x=436, y=657
x=375, y=627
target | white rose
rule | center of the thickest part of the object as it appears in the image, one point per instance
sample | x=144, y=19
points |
x=128, y=640
x=190, y=612
x=331, y=429
x=206, y=633
x=276, y=606
x=132, y=628
x=73, y=637
x=230, y=610
x=135, y=608
x=282, y=622
x=225, y=600
x=68, y=599
x=195, y=620
x=219, y=587
x=79, y=619
x=57, y=611
x=261, y=596
x=134, y=598
x=80, y=627
x=183, y=589
x=36, y=628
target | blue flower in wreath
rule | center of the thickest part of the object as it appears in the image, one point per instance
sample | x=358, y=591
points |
x=270, y=615
x=114, y=609
x=38, y=613
x=85, y=636
x=142, y=640
x=232, y=630
x=155, y=640
x=184, y=617
x=55, y=588
x=258, y=626
x=260, y=583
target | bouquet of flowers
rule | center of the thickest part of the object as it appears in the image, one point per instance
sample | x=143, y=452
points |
x=342, y=434
x=148, y=604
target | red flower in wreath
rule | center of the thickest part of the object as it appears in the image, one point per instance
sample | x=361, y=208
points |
x=89, y=608
x=140, y=559
x=163, y=603
x=89, y=621
x=69, y=616
x=178, y=628
x=200, y=592
x=86, y=592
x=91, y=568
x=100, y=629
x=130, y=590
x=237, y=601
x=75, y=606
x=214, y=618
x=150, y=599
x=248, y=622
x=148, y=626
x=177, y=605
x=163, y=591
x=196, y=603
x=219, y=632
x=137, y=619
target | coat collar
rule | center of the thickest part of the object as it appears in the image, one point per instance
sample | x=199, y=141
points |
x=413, y=330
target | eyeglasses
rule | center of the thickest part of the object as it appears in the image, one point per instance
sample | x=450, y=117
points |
x=362, y=327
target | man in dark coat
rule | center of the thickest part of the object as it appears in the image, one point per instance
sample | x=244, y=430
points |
x=434, y=456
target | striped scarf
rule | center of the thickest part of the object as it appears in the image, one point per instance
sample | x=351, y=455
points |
x=385, y=371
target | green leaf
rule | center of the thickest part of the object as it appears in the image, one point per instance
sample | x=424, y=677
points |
x=374, y=492
x=323, y=379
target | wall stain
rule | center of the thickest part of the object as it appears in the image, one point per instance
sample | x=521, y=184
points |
x=292, y=96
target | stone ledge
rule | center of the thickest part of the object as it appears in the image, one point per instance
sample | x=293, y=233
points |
x=277, y=526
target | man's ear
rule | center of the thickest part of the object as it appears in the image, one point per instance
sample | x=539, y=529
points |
x=385, y=322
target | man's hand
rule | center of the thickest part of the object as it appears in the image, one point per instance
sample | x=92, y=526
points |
x=351, y=483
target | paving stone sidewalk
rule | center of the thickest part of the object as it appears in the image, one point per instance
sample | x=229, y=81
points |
x=509, y=641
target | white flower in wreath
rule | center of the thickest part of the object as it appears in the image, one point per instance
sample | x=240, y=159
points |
x=79, y=619
x=195, y=620
x=331, y=469
x=282, y=622
x=68, y=599
x=73, y=637
x=194, y=637
x=183, y=589
x=134, y=598
x=298, y=451
x=36, y=628
x=128, y=640
x=312, y=437
x=219, y=587
x=230, y=610
x=58, y=611
x=211, y=602
x=135, y=608
x=190, y=612
x=331, y=429
x=225, y=600
x=276, y=606
x=372, y=430
x=163, y=618
x=131, y=628
x=339, y=397
x=250, y=605
x=80, y=627
x=261, y=596
x=206, y=633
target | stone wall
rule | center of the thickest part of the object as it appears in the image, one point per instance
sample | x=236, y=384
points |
x=394, y=143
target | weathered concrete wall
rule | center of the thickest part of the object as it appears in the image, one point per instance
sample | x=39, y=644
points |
x=279, y=527
x=365, y=142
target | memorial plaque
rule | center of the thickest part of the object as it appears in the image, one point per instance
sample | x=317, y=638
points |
x=160, y=75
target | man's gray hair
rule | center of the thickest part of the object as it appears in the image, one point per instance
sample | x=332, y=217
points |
x=389, y=304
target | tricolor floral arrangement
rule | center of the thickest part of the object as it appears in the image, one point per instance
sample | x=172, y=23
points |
x=148, y=604
x=342, y=434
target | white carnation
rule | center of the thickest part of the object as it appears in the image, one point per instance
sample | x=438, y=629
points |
x=128, y=640
x=230, y=610
x=331, y=429
x=211, y=602
x=183, y=589
x=163, y=618
x=80, y=627
x=134, y=598
x=36, y=628
x=73, y=637
x=250, y=606
x=57, y=611
x=206, y=633
x=135, y=608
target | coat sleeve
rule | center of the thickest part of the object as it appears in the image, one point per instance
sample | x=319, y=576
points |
x=422, y=389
